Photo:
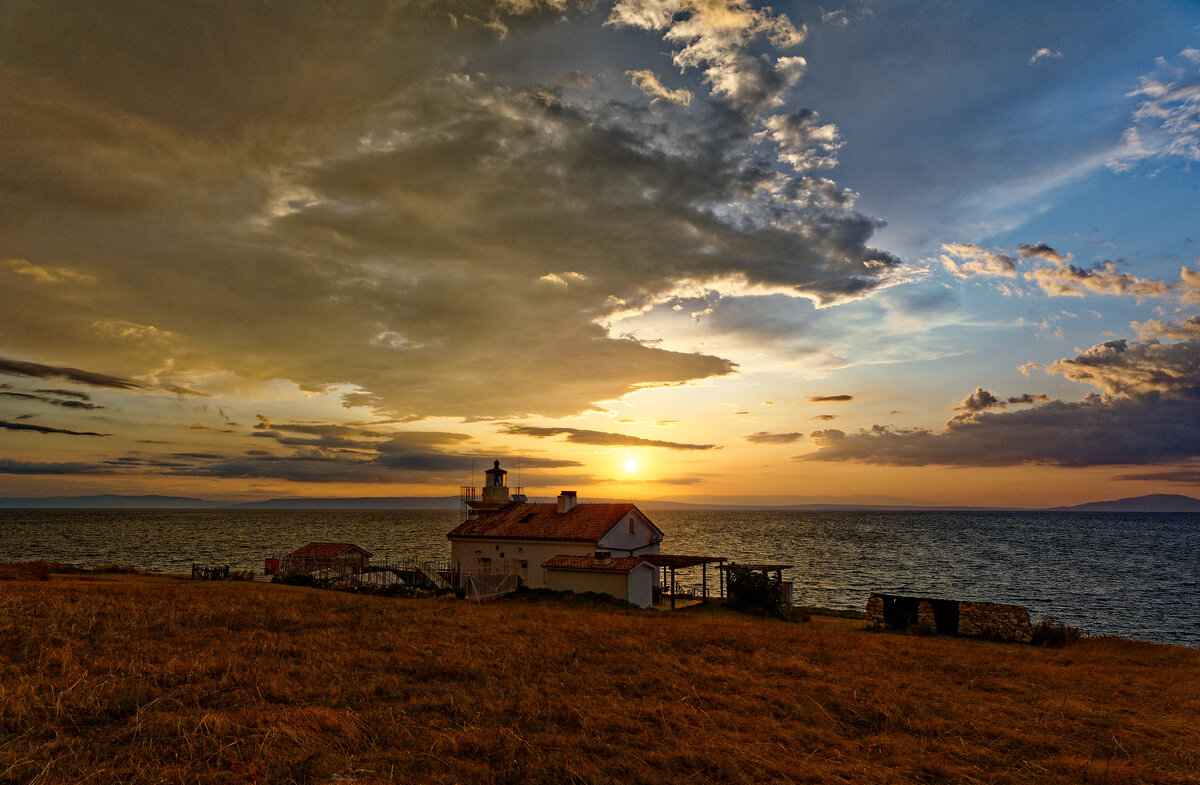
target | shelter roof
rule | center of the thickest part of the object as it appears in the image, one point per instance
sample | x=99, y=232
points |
x=673, y=560
x=766, y=567
x=325, y=550
x=619, y=564
x=530, y=521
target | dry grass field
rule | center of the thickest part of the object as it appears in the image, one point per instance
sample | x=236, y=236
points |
x=109, y=678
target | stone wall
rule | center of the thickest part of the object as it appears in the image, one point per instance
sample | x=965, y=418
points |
x=875, y=618
x=994, y=621
x=969, y=619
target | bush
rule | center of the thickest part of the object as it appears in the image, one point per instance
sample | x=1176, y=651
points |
x=752, y=590
x=1052, y=632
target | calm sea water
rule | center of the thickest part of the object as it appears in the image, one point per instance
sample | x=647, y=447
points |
x=1130, y=574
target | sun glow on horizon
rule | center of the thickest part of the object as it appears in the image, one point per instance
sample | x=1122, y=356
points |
x=631, y=465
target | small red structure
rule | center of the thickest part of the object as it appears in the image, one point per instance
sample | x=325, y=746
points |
x=270, y=566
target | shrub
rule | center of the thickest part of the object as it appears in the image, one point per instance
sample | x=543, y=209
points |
x=1052, y=632
x=752, y=590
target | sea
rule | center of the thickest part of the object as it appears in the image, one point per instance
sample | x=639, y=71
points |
x=1135, y=575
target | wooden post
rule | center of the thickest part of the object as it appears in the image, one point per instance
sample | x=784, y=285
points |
x=704, y=581
x=672, y=588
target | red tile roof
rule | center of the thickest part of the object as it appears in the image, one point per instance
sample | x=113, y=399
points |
x=527, y=521
x=324, y=550
x=619, y=564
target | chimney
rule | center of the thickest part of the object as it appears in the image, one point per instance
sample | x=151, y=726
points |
x=566, y=501
x=602, y=558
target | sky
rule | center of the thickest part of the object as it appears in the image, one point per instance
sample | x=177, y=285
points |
x=880, y=251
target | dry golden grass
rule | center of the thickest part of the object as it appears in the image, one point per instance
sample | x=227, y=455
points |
x=115, y=678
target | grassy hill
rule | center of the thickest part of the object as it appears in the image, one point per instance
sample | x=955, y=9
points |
x=119, y=678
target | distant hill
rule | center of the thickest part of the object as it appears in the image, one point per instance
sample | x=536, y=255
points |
x=107, y=502
x=1155, y=502
x=1161, y=502
x=356, y=503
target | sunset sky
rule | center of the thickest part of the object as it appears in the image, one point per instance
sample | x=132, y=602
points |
x=883, y=251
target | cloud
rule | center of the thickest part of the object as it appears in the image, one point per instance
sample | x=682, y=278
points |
x=982, y=399
x=803, y=143
x=37, y=370
x=648, y=83
x=68, y=404
x=1044, y=54
x=978, y=401
x=830, y=398
x=17, y=426
x=1167, y=123
x=1188, y=474
x=47, y=275
x=1187, y=330
x=1189, y=285
x=1147, y=416
x=1041, y=250
x=361, y=183
x=62, y=467
x=582, y=436
x=1091, y=432
x=975, y=261
x=76, y=394
x=1123, y=368
x=1071, y=281
x=762, y=437
x=714, y=36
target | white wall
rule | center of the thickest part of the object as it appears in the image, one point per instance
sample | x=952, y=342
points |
x=506, y=556
x=622, y=543
x=615, y=584
x=636, y=586
x=642, y=581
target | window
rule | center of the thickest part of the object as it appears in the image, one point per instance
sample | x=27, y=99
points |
x=631, y=524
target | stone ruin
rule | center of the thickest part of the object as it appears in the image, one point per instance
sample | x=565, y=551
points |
x=988, y=620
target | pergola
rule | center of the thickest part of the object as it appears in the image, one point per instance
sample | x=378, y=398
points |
x=763, y=568
x=669, y=563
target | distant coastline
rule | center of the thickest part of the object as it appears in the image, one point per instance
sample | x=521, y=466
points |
x=1152, y=503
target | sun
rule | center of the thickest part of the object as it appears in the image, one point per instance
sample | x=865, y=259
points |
x=631, y=465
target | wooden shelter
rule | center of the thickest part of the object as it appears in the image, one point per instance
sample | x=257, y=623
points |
x=326, y=558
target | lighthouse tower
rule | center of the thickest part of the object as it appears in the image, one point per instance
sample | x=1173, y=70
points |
x=495, y=490
x=494, y=494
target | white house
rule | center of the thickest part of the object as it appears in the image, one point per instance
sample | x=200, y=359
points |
x=506, y=534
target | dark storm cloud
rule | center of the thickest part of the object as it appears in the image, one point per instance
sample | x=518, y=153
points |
x=1185, y=475
x=63, y=467
x=1150, y=415
x=1091, y=432
x=37, y=370
x=582, y=436
x=762, y=437
x=16, y=426
x=69, y=403
x=830, y=398
x=344, y=199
